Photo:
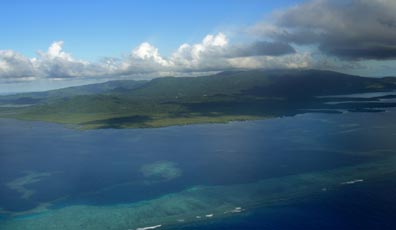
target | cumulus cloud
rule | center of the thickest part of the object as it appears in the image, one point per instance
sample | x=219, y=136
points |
x=330, y=34
x=213, y=53
x=15, y=66
x=205, y=55
x=150, y=53
x=348, y=29
x=55, y=63
x=55, y=51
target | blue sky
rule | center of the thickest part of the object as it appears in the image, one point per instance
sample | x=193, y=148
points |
x=94, y=29
x=53, y=44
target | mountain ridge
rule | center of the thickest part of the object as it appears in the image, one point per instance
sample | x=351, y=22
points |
x=222, y=97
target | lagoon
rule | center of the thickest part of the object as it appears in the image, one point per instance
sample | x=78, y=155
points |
x=240, y=175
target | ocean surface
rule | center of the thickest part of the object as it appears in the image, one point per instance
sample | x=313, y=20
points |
x=310, y=171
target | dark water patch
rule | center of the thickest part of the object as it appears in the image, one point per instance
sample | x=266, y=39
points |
x=119, y=122
x=369, y=205
x=366, y=110
x=329, y=111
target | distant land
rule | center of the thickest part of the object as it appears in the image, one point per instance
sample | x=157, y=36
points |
x=223, y=97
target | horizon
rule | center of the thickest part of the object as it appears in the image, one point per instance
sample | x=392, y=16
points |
x=72, y=43
x=187, y=76
x=203, y=114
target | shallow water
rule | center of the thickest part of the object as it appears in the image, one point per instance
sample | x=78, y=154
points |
x=286, y=168
x=361, y=95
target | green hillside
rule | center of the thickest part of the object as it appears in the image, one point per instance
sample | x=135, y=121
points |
x=227, y=96
x=46, y=96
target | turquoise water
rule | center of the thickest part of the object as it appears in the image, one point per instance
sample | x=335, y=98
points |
x=327, y=171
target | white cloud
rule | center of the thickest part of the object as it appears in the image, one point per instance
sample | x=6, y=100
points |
x=56, y=63
x=15, y=66
x=213, y=53
x=312, y=34
x=207, y=55
x=197, y=57
x=55, y=51
x=220, y=40
x=146, y=51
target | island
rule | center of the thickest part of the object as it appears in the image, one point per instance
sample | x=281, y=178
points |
x=222, y=97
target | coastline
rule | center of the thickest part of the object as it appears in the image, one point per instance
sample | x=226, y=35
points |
x=207, y=202
x=156, y=123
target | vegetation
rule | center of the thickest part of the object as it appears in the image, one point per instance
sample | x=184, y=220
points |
x=224, y=97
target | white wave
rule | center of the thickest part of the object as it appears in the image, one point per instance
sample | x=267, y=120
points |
x=353, y=181
x=209, y=215
x=150, y=227
x=235, y=210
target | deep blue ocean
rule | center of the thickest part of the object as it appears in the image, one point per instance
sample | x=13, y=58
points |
x=42, y=162
x=364, y=206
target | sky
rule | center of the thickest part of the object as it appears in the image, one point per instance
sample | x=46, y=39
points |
x=52, y=44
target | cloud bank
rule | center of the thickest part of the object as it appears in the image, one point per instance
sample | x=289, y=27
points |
x=330, y=34
x=347, y=29
x=213, y=53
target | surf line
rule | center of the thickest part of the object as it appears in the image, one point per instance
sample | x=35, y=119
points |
x=150, y=227
x=353, y=181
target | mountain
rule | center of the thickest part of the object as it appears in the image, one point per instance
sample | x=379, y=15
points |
x=226, y=96
x=99, y=88
x=269, y=83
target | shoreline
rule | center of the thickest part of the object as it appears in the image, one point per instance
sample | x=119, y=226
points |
x=207, y=202
x=80, y=127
